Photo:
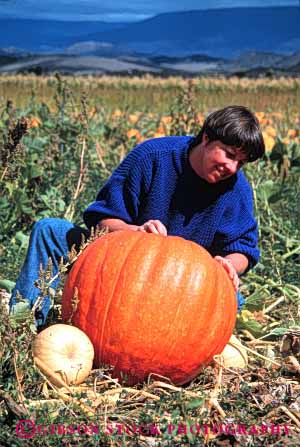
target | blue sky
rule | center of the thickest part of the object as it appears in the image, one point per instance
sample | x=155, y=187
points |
x=117, y=10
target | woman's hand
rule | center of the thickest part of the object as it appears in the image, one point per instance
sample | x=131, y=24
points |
x=153, y=226
x=228, y=266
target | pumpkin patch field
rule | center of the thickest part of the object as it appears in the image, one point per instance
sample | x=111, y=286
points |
x=174, y=384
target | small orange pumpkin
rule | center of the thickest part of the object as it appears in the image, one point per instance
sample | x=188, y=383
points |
x=151, y=304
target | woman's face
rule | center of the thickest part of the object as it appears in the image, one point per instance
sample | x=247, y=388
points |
x=214, y=161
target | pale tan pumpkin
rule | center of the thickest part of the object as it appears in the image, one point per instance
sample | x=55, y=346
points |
x=234, y=354
x=63, y=352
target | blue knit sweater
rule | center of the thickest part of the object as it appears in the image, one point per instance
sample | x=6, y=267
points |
x=156, y=181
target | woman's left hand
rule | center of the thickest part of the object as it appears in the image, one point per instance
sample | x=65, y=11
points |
x=228, y=266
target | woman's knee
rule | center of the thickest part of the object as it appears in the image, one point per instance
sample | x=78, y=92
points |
x=47, y=224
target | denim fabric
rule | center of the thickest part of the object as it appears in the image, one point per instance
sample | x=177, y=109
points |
x=51, y=238
x=240, y=300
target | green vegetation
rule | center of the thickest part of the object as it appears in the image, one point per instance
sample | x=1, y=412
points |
x=59, y=140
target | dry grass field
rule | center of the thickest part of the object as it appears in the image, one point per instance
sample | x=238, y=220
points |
x=60, y=138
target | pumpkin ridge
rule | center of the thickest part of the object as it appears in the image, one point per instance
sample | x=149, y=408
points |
x=91, y=263
x=94, y=309
x=151, y=274
x=116, y=282
x=213, y=309
x=175, y=248
x=167, y=338
x=158, y=256
x=207, y=307
x=97, y=292
x=220, y=277
x=155, y=244
x=210, y=327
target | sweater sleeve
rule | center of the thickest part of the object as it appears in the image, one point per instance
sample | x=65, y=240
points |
x=119, y=197
x=237, y=230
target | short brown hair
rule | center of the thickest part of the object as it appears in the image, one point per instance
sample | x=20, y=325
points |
x=234, y=126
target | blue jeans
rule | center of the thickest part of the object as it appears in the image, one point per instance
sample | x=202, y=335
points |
x=51, y=238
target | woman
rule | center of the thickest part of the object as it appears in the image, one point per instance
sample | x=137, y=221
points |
x=185, y=186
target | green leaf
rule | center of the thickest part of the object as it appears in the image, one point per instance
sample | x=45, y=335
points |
x=22, y=238
x=195, y=403
x=7, y=284
x=20, y=311
x=253, y=326
x=268, y=189
x=4, y=203
x=27, y=210
x=191, y=436
x=278, y=332
x=256, y=300
x=35, y=171
x=19, y=308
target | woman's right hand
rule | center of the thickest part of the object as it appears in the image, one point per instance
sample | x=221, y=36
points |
x=153, y=226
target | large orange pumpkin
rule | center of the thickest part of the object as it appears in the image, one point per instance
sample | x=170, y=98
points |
x=151, y=304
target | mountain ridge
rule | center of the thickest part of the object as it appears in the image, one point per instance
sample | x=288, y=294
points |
x=221, y=33
x=211, y=32
x=231, y=40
